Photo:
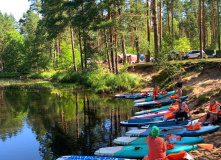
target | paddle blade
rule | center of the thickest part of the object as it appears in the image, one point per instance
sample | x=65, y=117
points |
x=205, y=146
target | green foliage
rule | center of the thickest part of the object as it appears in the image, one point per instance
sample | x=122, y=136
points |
x=203, y=98
x=97, y=80
x=65, y=60
x=182, y=45
x=13, y=54
x=166, y=76
x=188, y=88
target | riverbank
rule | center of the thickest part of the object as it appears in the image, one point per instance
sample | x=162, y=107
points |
x=201, y=81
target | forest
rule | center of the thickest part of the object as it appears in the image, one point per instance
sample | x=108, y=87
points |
x=64, y=34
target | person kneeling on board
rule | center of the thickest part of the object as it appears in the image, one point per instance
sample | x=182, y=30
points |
x=156, y=145
x=213, y=112
x=181, y=111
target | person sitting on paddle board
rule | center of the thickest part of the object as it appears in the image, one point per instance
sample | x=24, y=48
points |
x=156, y=145
x=181, y=111
x=213, y=112
x=155, y=93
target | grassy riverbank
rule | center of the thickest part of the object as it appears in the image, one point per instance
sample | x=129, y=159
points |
x=99, y=80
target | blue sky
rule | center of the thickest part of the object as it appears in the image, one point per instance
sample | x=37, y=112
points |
x=14, y=7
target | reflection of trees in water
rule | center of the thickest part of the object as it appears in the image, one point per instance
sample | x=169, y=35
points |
x=12, y=114
x=67, y=122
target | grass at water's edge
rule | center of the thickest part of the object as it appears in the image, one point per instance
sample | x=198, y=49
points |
x=98, y=81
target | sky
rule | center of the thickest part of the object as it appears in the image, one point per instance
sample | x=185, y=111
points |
x=14, y=7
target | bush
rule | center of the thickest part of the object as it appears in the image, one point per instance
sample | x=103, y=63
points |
x=203, y=98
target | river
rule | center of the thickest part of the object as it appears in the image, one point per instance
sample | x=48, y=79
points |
x=43, y=121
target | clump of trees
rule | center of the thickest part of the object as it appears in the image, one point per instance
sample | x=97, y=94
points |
x=63, y=34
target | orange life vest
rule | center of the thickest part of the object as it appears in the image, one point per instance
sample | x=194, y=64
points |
x=156, y=92
x=185, y=109
x=213, y=108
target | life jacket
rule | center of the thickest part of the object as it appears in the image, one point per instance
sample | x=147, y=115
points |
x=174, y=96
x=213, y=108
x=144, y=94
x=194, y=127
x=164, y=92
x=156, y=92
x=185, y=109
x=177, y=156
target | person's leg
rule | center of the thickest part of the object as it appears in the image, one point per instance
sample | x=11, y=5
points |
x=176, y=116
x=213, y=118
x=204, y=119
x=185, y=116
x=153, y=97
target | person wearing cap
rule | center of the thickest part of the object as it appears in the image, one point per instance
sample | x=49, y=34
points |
x=156, y=145
x=181, y=111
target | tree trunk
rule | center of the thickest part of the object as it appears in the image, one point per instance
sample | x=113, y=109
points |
x=168, y=16
x=116, y=57
x=160, y=23
x=204, y=27
x=73, y=51
x=172, y=23
x=200, y=27
x=148, y=31
x=106, y=45
x=82, y=59
x=124, y=50
x=84, y=39
x=156, y=45
x=212, y=23
x=218, y=24
x=111, y=44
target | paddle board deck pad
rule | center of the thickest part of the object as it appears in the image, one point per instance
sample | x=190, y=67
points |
x=125, y=141
x=134, y=95
x=155, y=109
x=149, y=120
x=162, y=102
x=151, y=98
x=76, y=157
x=152, y=114
x=182, y=131
x=137, y=151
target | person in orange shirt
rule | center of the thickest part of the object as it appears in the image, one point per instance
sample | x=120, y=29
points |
x=155, y=93
x=156, y=145
x=213, y=112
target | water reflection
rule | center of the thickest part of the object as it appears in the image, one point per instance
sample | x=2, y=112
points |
x=63, y=121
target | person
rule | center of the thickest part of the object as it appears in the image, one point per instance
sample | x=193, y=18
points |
x=181, y=111
x=213, y=112
x=156, y=145
x=155, y=93
x=179, y=84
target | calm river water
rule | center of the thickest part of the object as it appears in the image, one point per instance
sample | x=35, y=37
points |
x=44, y=121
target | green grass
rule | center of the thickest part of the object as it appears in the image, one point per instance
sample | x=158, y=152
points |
x=203, y=98
x=188, y=88
x=99, y=81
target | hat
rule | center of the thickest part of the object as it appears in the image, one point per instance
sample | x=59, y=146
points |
x=155, y=131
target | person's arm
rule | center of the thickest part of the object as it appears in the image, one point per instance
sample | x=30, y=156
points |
x=217, y=110
x=147, y=139
x=164, y=146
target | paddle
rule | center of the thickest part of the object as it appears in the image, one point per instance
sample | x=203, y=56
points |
x=202, y=145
